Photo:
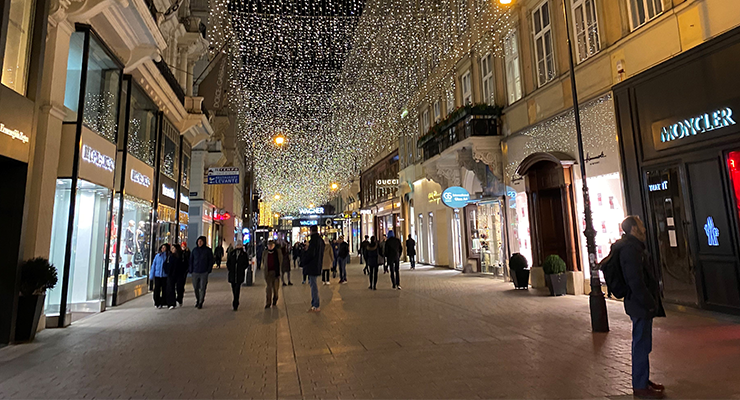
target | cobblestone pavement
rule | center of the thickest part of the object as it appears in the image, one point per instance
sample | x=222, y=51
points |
x=445, y=335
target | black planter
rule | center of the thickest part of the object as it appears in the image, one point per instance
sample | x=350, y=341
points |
x=521, y=278
x=29, y=313
x=557, y=284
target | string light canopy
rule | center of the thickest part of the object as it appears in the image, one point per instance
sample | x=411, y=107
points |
x=334, y=77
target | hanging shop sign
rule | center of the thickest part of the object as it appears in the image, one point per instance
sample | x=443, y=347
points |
x=309, y=222
x=167, y=191
x=434, y=197
x=387, y=182
x=223, y=176
x=306, y=211
x=139, y=178
x=13, y=133
x=97, y=157
x=669, y=134
x=184, y=199
x=455, y=197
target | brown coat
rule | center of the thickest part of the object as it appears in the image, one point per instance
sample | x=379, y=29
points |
x=264, y=261
x=328, y=260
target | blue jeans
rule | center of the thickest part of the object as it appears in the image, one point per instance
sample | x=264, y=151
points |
x=642, y=345
x=342, y=268
x=314, y=291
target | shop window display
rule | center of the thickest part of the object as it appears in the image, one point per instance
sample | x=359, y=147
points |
x=142, y=127
x=184, y=219
x=134, y=242
x=520, y=227
x=166, y=220
x=87, y=264
x=486, y=236
x=733, y=163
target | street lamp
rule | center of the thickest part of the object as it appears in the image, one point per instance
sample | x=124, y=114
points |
x=597, y=302
x=334, y=186
x=279, y=140
x=277, y=196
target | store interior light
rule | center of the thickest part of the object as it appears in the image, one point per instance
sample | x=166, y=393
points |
x=505, y=2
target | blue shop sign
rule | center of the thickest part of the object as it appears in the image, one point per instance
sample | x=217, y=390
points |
x=455, y=197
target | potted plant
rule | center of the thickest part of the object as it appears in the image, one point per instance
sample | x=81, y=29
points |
x=37, y=275
x=519, y=271
x=554, y=268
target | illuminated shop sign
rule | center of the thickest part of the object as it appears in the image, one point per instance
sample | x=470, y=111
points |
x=309, y=222
x=97, y=158
x=712, y=232
x=387, y=182
x=366, y=212
x=184, y=199
x=434, y=197
x=13, y=133
x=317, y=210
x=140, y=178
x=168, y=191
x=714, y=120
x=455, y=197
x=658, y=187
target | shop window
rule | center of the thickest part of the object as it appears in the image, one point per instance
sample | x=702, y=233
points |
x=142, y=128
x=485, y=224
x=642, y=11
x=486, y=71
x=425, y=122
x=451, y=100
x=184, y=219
x=102, y=92
x=543, y=43
x=170, y=152
x=430, y=241
x=586, y=28
x=437, y=111
x=87, y=264
x=734, y=166
x=513, y=73
x=18, y=45
x=467, y=94
x=420, y=247
x=166, y=220
x=74, y=74
x=521, y=227
x=133, y=240
x=457, y=240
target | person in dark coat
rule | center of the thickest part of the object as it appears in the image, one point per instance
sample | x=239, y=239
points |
x=642, y=303
x=297, y=251
x=237, y=262
x=178, y=273
x=272, y=258
x=183, y=277
x=218, y=255
x=285, y=266
x=260, y=250
x=311, y=262
x=392, y=252
x=371, y=259
x=201, y=264
x=361, y=252
x=381, y=253
x=411, y=251
x=335, y=251
x=342, y=255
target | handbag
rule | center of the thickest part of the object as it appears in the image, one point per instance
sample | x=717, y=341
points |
x=138, y=258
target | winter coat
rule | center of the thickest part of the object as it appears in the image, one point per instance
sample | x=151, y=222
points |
x=312, y=258
x=392, y=250
x=328, y=259
x=411, y=247
x=201, y=259
x=218, y=253
x=643, y=300
x=371, y=255
x=265, y=261
x=343, y=251
x=237, y=262
x=381, y=252
x=158, y=266
x=174, y=267
x=185, y=264
x=285, y=266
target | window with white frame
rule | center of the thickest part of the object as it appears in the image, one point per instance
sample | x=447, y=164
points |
x=451, y=100
x=486, y=72
x=425, y=122
x=543, y=43
x=513, y=72
x=642, y=11
x=18, y=45
x=467, y=94
x=437, y=111
x=586, y=28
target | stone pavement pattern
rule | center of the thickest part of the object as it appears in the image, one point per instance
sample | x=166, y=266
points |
x=445, y=335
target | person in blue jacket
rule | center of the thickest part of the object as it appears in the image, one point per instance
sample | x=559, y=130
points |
x=158, y=276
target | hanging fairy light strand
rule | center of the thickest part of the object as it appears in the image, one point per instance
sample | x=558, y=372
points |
x=333, y=77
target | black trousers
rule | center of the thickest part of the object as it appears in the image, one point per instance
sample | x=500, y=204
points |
x=325, y=275
x=236, y=291
x=164, y=292
x=412, y=258
x=373, y=275
x=180, y=288
x=385, y=266
x=393, y=265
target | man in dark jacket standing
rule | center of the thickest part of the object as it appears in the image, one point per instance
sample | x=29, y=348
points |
x=237, y=262
x=312, y=263
x=642, y=304
x=411, y=251
x=342, y=254
x=201, y=264
x=392, y=252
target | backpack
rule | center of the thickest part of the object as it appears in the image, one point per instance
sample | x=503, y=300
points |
x=612, y=269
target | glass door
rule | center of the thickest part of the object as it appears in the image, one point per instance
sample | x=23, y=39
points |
x=420, y=246
x=456, y=240
x=430, y=242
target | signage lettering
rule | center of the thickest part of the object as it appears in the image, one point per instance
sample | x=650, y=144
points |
x=140, y=178
x=434, y=197
x=657, y=187
x=455, y=197
x=317, y=210
x=184, y=199
x=168, y=191
x=366, y=212
x=223, y=176
x=308, y=223
x=387, y=182
x=97, y=158
x=703, y=123
x=712, y=232
x=13, y=133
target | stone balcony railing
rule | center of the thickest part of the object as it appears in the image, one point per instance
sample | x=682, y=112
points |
x=469, y=121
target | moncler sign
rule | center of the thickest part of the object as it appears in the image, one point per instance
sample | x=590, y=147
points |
x=707, y=122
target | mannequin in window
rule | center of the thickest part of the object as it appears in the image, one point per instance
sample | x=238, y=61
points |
x=140, y=245
x=130, y=245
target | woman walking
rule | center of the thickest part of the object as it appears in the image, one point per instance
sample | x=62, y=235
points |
x=285, y=266
x=371, y=259
x=177, y=272
x=327, y=262
x=158, y=276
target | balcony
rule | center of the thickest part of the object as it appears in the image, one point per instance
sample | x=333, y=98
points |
x=470, y=121
x=166, y=72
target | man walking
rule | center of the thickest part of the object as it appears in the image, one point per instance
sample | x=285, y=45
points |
x=272, y=258
x=335, y=253
x=392, y=253
x=237, y=262
x=363, y=247
x=311, y=262
x=642, y=304
x=201, y=264
x=411, y=251
x=342, y=254
x=381, y=254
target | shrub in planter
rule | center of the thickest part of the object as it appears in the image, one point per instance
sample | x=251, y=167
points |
x=519, y=271
x=554, y=268
x=37, y=275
